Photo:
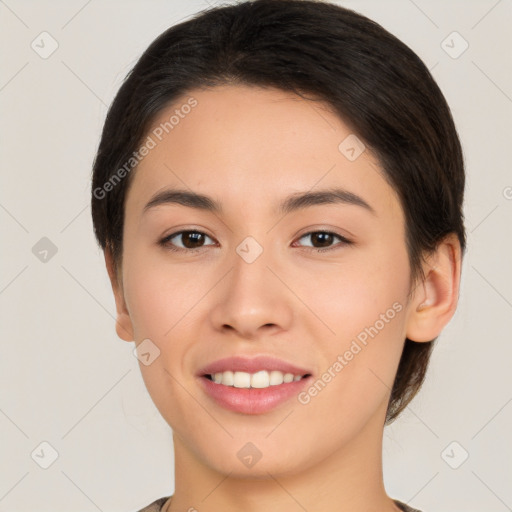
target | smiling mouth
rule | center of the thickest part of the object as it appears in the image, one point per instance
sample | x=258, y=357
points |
x=261, y=379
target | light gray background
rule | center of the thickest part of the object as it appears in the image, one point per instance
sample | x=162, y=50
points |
x=65, y=377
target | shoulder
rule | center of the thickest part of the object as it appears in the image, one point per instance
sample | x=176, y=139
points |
x=155, y=506
x=404, y=507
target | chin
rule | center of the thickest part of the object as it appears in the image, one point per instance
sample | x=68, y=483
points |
x=258, y=460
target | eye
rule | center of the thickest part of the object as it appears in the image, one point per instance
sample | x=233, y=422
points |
x=325, y=238
x=194, y=240
x=190, y=240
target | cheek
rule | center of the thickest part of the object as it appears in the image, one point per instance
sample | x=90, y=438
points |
x=355, y=294
x=161, y=298
x=363, y=305
x=161, y=302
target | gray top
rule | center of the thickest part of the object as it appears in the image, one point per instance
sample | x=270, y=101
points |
x=156, y=506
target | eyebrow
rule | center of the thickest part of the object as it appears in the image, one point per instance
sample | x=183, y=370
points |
x=293, y=202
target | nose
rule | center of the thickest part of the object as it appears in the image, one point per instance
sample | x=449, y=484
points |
x=252, y=300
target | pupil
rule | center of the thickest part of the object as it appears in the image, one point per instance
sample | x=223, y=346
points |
x=194, y=236
x=327, y=238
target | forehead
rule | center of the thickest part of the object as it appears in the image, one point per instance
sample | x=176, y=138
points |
x=251, y=146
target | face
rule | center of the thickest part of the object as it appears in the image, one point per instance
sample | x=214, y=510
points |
x=319, y=285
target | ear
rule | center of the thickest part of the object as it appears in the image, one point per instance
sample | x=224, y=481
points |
x=435, y=299
x=124, y=328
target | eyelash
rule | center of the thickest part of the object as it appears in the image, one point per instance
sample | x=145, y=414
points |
x=165, y=242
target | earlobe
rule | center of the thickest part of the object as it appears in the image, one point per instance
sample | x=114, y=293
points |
x=124, y=327
x=435, y=299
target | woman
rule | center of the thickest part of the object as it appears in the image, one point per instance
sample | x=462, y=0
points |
x=278, y=193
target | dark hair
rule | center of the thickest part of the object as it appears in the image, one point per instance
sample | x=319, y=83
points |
x=376, y=84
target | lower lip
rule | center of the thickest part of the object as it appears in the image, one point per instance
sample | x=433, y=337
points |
x=253, y=400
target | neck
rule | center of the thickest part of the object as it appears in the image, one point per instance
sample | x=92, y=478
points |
x=348, y=480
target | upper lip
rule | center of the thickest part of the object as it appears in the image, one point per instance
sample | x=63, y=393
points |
x=251, y=365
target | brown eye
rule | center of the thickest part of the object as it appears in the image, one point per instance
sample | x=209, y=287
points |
x=323, y=240
x=194, y=240
x=188, y=239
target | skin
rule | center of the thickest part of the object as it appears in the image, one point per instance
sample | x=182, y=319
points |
x=249, y=148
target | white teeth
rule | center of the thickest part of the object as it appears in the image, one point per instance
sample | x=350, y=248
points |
x=261, y=379
x=242, y=380
x=276, y=378
x=228, y=378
